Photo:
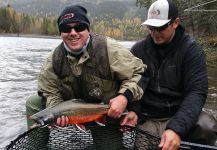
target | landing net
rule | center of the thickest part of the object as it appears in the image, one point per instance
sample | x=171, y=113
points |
x=95, y=137
x=109, y=137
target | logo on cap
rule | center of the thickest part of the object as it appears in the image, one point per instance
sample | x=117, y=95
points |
x=155, y=12
x=67, y=16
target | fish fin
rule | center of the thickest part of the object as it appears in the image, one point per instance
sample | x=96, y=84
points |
x=81, y=128
x=99, y=123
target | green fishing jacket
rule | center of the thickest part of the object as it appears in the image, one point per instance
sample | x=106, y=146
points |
x=104, y=70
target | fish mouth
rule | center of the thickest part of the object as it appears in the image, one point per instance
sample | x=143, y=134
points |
x=43, y=120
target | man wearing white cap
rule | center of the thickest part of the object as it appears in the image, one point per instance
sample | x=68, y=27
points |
x=176, y=76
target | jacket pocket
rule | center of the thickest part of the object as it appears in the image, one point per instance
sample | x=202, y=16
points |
x=170, y=76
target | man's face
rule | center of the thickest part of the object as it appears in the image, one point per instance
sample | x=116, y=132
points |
x=74, y=35
x=165, y=34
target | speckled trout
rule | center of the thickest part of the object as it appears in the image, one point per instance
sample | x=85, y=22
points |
x=77, y=111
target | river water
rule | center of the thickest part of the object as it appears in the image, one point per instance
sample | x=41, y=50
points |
x=20, y=62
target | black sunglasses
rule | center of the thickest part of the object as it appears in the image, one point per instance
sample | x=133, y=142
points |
x=159, y=29
x=77, y=28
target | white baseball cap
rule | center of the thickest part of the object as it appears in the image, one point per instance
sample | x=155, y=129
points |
x=161, y=12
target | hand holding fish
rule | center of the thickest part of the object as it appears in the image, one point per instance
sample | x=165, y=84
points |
x=130, y=119
x=62, y=121
x=117, y=106
x=77, y=112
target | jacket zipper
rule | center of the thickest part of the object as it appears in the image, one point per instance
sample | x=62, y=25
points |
x=158, y=81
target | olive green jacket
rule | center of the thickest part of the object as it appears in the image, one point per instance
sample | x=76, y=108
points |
x=81, y=83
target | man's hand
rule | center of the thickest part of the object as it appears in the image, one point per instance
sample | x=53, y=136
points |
x=130, y=119
x=170, y=140
x=117, y=106
x=62, y=121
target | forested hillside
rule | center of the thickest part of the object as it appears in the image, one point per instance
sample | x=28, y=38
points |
x=120, y=19
x=97, y=8
x=12, y=21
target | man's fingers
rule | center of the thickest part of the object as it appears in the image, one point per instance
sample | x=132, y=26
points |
x=58, y=121
x=117, y=106
x=124, y=121
x=62, y=121
x=62, y=124
x=114, y=113
x=67, y=120
x=162, y=142
x=170, y=140
x=130, y=119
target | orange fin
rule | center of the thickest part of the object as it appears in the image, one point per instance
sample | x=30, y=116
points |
x=80, y=128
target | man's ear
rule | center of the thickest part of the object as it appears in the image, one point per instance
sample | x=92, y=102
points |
x=176, y=22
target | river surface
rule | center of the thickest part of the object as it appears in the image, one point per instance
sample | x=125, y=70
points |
x=20, y=62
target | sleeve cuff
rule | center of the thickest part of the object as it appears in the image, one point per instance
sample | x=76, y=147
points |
x=135, y=106
x=128, y=94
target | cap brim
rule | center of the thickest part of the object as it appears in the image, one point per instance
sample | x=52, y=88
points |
x=155, y=22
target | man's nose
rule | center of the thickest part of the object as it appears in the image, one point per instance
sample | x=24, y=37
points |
x=73, y=31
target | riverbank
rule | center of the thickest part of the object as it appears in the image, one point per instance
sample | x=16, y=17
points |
x=29, y=36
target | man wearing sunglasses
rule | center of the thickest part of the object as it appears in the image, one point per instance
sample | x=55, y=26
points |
x=176, y=77
x=89, y=67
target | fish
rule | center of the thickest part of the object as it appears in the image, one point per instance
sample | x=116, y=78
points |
x=78, y=112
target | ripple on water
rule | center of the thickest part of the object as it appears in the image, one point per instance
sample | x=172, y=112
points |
x=21, y=59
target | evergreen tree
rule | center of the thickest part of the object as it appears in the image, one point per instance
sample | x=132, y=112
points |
x=199, y=20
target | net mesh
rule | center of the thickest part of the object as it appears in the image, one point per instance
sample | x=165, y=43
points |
x=95, y=137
